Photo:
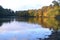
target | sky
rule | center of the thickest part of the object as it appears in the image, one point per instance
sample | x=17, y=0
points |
x=24, y=4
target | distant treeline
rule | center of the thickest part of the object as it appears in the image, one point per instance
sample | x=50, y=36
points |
x=46, y=11
x=6, y=12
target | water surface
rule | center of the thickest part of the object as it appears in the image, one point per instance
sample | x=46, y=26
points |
x=26, y=28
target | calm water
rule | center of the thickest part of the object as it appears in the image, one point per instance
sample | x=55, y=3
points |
x=28, y=28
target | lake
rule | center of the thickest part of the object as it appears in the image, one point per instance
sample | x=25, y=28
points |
x=29, y=29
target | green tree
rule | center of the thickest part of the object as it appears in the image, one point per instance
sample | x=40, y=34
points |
x=6, y=12
x=55, y=3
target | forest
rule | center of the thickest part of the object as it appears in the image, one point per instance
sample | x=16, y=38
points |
x=52, y=10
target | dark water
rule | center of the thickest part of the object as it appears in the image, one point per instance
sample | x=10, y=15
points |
x=29, y=29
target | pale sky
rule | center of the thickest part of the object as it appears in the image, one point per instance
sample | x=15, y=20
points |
x=24, y=4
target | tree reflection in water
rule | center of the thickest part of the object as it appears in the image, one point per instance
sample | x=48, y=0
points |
x=55, y=23
x=51, y=23
x=5, y=20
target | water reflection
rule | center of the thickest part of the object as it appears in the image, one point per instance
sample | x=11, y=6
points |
x=29, y=28
x=5, y=20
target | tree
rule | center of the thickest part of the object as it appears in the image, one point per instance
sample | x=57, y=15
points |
x=6, y=12
x=59, y=2
x=55, y=3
